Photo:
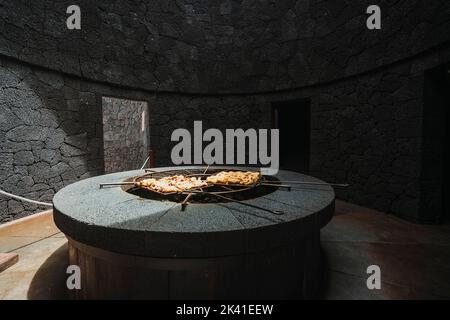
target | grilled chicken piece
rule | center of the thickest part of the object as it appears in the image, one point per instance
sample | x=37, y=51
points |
x=235, y=177
x=146, y=182
x=178, y=183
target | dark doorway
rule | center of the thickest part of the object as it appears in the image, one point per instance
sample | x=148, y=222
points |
x=446, y=145
x=293, y=118
x=436, y=145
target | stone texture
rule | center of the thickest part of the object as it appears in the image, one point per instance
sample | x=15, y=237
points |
x=366, y=131
x=367, y=127
x=37, y=149
x=212, y=46
x=23, y=158
x=104, y=217
x=125, y=143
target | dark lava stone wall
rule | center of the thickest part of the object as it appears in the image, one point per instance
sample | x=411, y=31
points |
x=51, y=131
x=50, y=135
x=125, y=144
x=213, y=46
x=366, y=131
x=223, y=63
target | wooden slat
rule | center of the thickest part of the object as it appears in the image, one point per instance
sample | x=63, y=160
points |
x=7, y=260
x=22, y=226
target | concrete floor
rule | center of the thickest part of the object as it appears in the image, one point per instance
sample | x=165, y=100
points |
x=42, y=249
x=414, y=259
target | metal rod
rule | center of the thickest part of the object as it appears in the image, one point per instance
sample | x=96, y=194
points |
x=276, y=185
x=123, y=183
x=225, y=187
x=276, y=212
x=145, y=162
x=228, y=191
x=316, y=183
x=185, y=201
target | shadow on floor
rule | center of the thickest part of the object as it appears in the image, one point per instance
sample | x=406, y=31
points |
x=49, y=282
x=324, y=269
x=414, y=259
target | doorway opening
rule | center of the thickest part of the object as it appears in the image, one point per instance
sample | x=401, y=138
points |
x=293, y=119
x=435, y=205
x=125, y=134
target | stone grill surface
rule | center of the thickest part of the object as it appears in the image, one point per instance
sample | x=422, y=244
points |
x=119, y=221
x=131, y=247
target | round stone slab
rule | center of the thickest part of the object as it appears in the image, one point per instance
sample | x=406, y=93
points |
x=114, y=220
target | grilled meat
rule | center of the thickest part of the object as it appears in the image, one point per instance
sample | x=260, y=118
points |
x=177, y=183
x=235, y=177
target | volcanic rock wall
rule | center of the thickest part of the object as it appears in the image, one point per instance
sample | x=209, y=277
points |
x=125, y=134
x=51, y=129
x=50, y=135
x=212, y=46
x=223, y=62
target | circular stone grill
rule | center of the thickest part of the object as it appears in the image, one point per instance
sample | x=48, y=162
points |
x=215, y=248
x=213, y=193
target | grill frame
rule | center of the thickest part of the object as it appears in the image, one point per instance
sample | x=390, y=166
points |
x=193, y=194
x=115, y=220
x=238, y=188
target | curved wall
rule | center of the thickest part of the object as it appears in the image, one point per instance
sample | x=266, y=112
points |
x=366, y=127
x=204, y=46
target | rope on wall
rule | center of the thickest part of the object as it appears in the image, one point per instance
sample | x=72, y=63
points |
x=44, y=203
x=25, y=199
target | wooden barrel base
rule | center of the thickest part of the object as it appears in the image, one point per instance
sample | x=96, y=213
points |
x=290, y=271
